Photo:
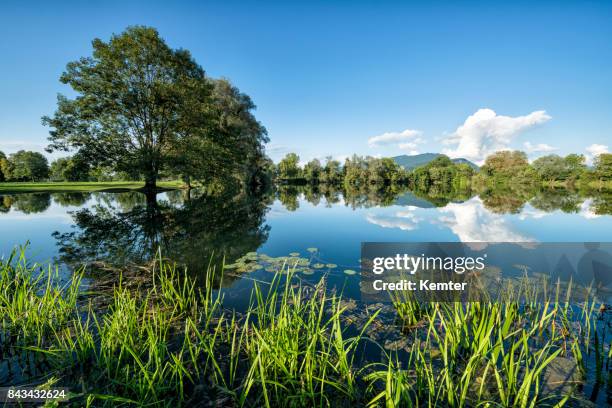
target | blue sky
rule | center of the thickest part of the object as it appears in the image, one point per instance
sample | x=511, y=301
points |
x=335, y=78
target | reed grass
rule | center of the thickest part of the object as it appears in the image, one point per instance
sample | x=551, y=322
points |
x=167, y=342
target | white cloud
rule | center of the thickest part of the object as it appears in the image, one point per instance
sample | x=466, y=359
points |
x=405, y=220
x=595, y=150
x=412, y=146
x=486, y=132
x=393, y=137
x=539, y=148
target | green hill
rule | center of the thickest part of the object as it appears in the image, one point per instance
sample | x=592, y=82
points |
x=412, y=162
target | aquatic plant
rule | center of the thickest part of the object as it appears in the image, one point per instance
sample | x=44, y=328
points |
x=155, y=338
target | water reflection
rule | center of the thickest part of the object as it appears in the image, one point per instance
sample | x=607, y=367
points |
x=25, y=203
x=192, y=227
x=503, y=200
x=189, y=228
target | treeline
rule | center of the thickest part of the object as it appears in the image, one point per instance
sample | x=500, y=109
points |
x=362, y=171
x=443, y=175
x=513, y=167
x=28, y=166
x=355, y=171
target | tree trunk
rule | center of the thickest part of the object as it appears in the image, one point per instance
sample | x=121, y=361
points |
x=151, y=182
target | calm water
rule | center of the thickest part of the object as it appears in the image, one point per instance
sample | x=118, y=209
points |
x=75, y=228
x=324, y=228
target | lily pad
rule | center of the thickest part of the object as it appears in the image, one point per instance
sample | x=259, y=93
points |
x=231, y=266
x=294, y=253
x=331, y=265
x=312, y=250
x=318, y=266
x=349, y=272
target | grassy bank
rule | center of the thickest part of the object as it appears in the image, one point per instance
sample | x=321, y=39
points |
x=152, y=338
x=24, y=187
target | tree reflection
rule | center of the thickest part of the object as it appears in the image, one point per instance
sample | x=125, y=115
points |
x=507, y=199
x=30, y=203
x=75, y=199
x=192, y=231
x=363, y=196
x=548, y=200
x=602, y=203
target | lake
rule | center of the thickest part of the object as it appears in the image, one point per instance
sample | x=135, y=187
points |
x=318, y=229
x=191, y=228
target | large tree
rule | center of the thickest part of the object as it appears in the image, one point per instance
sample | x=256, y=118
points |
x=233, y=143
x=143, y=107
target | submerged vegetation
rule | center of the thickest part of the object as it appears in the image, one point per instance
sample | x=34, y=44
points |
x=152, y=337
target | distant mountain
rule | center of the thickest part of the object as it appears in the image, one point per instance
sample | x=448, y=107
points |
x=418, y=160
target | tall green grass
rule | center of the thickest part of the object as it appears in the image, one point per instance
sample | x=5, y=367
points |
x=493, y=353
x=167, y=342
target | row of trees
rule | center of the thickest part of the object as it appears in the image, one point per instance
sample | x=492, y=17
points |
x=289, y=169
x=356, y=171
x=444, y=174
x=513, y=166
x=30, y=166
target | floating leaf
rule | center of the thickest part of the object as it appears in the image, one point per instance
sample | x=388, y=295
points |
x=294, y=254
x=307, y=271
x=231, y=266
x=349, y=272
x=318, y=266
x=331, y=265
x=312, y=250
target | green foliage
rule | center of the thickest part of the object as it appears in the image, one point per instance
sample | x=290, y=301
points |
x=332, y=172
x=6, y=170
x=143, y=108
x=506, y=164
x=73, y=168
x=603, y=166
x=359, y=171
x=231, y=147
x=441, y=177
x=555, y=168
x=288, y=168
x=25, y=166
x=313, y=170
